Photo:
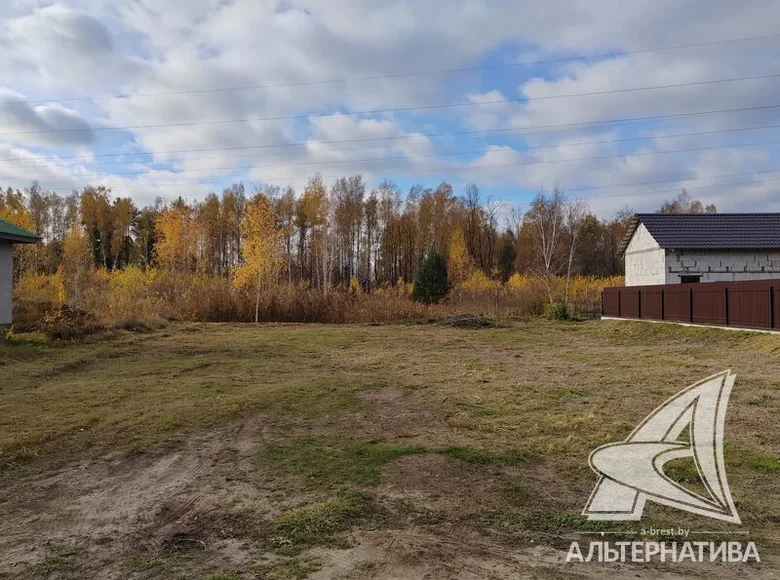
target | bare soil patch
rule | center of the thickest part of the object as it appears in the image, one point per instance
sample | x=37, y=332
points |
x=288, y=451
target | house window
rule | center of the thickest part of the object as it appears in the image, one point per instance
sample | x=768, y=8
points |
x=690, y=279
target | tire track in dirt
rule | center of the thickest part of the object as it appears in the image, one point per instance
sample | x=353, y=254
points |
x=122, y=502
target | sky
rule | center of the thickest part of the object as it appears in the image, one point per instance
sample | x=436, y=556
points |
x=618, y=103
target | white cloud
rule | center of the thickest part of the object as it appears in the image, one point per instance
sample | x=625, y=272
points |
x=195, y=48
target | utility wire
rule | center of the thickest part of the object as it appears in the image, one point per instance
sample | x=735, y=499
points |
x=653, y=192
x=392, y=110
x=471, y=138
x=497, y=66
x=428, y=156
x=487, y=132
x=466, y=168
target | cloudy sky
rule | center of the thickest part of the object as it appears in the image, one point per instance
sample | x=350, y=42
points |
x=620, y=103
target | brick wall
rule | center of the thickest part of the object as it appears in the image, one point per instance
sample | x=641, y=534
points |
x=644, y=259
x=722, y=266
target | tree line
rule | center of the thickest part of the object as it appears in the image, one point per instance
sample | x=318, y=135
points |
x=325, y=237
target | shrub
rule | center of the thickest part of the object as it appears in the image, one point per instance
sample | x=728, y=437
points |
x=556, y=311
x=478, y=282
x=66, y=323
x=46, y=288
x=517, y=283
x=431, y=285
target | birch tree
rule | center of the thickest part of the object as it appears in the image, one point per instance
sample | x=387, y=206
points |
x=261, y=250
x=574, y=212
x=546, y=218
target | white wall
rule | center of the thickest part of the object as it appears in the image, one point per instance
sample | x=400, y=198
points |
x=644, y=259
x=6, y=272
x=722, y=266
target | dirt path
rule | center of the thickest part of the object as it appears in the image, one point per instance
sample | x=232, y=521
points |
x=203, y=507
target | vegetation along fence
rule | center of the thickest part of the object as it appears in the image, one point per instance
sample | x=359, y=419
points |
x=750, y=304
x=586, y=310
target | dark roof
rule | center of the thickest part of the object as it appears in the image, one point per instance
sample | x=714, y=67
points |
x=15, y=234
x=709, y=231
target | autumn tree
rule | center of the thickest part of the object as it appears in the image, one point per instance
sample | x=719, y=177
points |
x=312, y=215
x=368, y=272
x=574, y=215
x=232, y=211
x=459, y=262
x=14, y=210
x=77, y=268
x=545, y=220
x=96, y=213
x=176, y=237
x=347, y=202
x=684, y=204
x=284, y=212
x=387, y=237
x=261, y=250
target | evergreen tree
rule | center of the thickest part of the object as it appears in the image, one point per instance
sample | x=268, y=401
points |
x=431, y=285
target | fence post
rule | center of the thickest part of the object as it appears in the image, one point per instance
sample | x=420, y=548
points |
x=619, y=293
x=690, y=304
x=726, y=300
x=771, y=307
x=639, y=303
x=662, y=304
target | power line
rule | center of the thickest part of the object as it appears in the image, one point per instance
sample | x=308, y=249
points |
x=676, y=190
x=398, y=75
x=434, y=155
x=392, y=110
x=402, y=171
x=486, y=132
x=470, y=138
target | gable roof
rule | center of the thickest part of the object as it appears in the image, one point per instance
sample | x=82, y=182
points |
x=16, y=235
x=709, y=231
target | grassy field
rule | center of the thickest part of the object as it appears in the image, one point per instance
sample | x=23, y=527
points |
x=400, y=451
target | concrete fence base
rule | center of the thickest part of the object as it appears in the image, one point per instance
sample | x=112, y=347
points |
x=763, y=331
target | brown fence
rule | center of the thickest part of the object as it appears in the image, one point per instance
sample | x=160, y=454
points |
x=751, y=304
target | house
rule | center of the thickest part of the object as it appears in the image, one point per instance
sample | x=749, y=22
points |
x=684, y=248
x=9, y=235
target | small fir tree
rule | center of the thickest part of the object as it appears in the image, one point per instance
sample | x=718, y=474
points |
x=431, y=284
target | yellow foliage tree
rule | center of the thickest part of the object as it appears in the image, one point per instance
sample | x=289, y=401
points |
x=261, y=250
x=13, y=210
x=478, y=282
x=460, y=264
x=517, y=282
x=176, y=237
x=76, y=268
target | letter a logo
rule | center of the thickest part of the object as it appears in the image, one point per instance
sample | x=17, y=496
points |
x=688, y=425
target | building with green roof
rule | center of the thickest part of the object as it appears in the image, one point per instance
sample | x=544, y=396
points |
x=10, y=235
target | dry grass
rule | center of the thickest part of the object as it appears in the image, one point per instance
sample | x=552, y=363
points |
x=143, y=298
x=483, y=431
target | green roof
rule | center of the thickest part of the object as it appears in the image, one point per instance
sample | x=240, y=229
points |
x=16, y=235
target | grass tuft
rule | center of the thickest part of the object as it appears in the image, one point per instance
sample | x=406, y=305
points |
x=335, y=463
x=289, y=570
x=508, y=458
x=317, y=524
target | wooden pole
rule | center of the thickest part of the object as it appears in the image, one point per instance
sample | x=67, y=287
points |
x=662, y=304
x=690, y=304
x=639, y=303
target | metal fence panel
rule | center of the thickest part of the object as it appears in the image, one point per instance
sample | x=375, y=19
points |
x=749, y=304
